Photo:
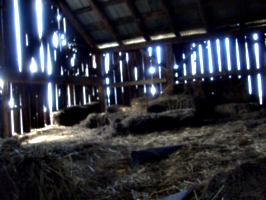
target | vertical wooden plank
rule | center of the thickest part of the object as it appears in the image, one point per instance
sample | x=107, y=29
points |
x=117, y=74
x=128, y=76
x=6, y=111
x=101, y=89
x=26, y=108
x=71, y=94
x=131, y=74
x=214, y=56
x=169, y=63
x=139, y=59
x=242, y=53
x=16, y=109
x=41, y=93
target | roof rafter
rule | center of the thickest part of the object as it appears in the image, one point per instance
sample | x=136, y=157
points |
x=167, y=8
x=138, y=19
x=203, y=15
x=72, y=18
x=108, y=24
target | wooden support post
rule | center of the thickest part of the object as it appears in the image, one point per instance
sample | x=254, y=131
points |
x=6, y=109
x=169, y=62
x=25, y=97
x=16, y=110
x=101, y=89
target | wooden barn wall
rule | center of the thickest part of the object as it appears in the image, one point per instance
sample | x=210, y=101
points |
x=127, y=75
x=27, y=104
x=241, y=58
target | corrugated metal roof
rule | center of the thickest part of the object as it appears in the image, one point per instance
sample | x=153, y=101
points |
x=101, y=34
x=188, y=17
x=254, y=7
x=148, y=6
x=88, y=17
x=157, y=23
x=182, y=3
x=76, y=4
x=128, y=29
x=226, y=12
x=117, y=11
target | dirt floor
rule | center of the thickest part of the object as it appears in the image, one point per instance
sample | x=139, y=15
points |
x=96, y=163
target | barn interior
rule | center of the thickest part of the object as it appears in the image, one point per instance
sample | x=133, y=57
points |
x=132, y=99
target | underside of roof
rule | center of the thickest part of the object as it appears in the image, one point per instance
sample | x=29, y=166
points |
x=121, y=23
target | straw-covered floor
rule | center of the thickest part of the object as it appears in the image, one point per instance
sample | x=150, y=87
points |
x=221, y=159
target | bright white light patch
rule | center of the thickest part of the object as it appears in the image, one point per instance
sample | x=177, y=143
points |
x=11, y=103
x=247, y=55
x=210, y=56
x=255, y=36
x=64, y=42
x=158, y=51
x=136, y=73
x=201, y=59
x=17, y=25
x=249, y=85
x=256, y=47
x=39, y=17
x=152, y=70
x=150, y=51
x=260, y=88
x=1, y=83
x=42, y=57
x=228, y=54
x=107, y=63
x=58, y=17
x=33, y=66
x=219, y=54
x=55, y=40
x=72, y=62
x=237, y=56
x=153, y=90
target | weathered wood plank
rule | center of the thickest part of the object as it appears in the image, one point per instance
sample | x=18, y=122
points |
x=31, y=78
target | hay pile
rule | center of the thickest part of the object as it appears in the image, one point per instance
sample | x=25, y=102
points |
x=218, y=158
x=30, y=174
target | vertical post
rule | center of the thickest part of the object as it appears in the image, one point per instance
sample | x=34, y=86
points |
x=26, y=108
x=6, y=109
x=169, y=63
x=100, y=73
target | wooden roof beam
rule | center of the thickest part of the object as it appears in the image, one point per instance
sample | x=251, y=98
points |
x=203, y=15
x=138, y=19
x=75, y=22
x=167, y=8
x=108, y=24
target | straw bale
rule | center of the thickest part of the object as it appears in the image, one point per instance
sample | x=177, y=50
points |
x=74, y=114
x=146, y=123
x=117, y=108
x=171, y=103
x=236, y=108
